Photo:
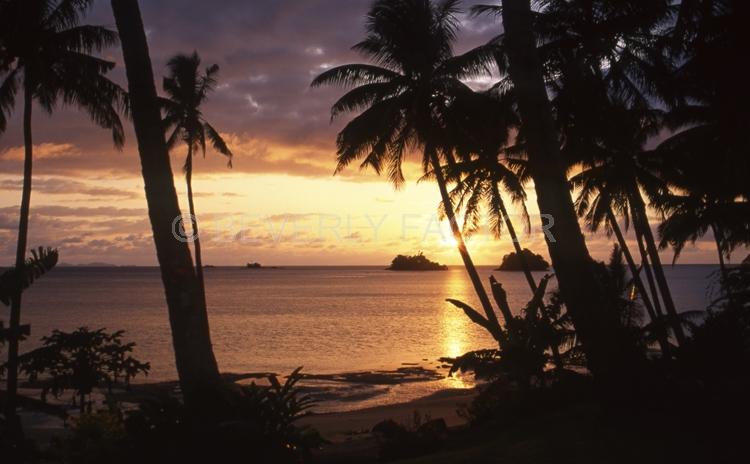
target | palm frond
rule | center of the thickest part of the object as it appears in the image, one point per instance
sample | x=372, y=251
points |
x=42, y=260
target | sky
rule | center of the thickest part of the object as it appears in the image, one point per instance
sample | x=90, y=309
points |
x=280, y=203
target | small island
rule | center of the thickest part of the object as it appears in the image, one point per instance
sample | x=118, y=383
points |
x=253, y=266
x=417, y=262
x=512, y=262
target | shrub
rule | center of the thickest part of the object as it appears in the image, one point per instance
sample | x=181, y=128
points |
x=81, y=361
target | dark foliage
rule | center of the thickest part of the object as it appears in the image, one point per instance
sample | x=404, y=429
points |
x=261, y=429
x=81, y=361
x=42, y=261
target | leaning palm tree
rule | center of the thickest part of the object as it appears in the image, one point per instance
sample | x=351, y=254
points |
x=187, y=89
x=48, y=58
x=405, y=93
x=191, y=339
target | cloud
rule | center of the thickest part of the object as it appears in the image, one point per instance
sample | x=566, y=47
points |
x=60, y=186
x=42, y=151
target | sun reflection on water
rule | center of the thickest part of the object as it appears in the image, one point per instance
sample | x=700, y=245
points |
x=455, y=328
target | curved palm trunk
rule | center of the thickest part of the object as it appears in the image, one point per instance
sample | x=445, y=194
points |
x=649, y=273
x=631, y=263
x=194, y=224
x=663, y=341
x=195, y=361
x=465, y=256
x=23, y=231
x=610, y=355
x=641, y=221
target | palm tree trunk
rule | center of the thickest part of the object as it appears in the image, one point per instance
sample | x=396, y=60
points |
x=194, y=223
x=465, y=256
x=195, y=361
x=23, y=232
x=649, y=273
x=631, y=263
x=662, y=337
x=718, y=237
x=610, y=356
x=640, y=220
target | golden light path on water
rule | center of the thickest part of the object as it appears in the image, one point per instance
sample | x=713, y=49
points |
x=455, y=331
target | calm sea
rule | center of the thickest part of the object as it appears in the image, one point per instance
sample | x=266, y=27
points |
x=327, y=319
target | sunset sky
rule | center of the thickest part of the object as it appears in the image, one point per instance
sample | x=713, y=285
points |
x=280, y=204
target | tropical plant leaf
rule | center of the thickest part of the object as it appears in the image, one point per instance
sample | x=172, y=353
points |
x=42, y=260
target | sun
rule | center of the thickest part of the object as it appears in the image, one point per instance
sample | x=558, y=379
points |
x=449, y=242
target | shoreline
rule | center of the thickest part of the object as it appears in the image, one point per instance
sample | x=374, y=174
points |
x=340, y=427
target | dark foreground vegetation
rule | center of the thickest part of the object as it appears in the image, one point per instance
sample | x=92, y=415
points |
x=640, y=101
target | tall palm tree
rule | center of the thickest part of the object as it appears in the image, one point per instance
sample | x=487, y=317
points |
x=608, y=352
x=187, y=89
x=48, y=57
x=404, y=94
x=191, y=339
x=607, y=54
x=598, y=52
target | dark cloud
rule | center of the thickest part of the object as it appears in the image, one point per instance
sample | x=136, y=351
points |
x=268, y=51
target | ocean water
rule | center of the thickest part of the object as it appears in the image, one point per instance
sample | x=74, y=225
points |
x=327, y=319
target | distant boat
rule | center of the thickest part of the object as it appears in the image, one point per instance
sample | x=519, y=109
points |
x=512, y=262
x=417, y=262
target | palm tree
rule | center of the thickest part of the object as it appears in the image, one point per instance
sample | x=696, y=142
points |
x=599, y=198
x=480, y=182
x=412, y=83
x=187, y=90
x=602, y=53
x=608, y=352
x=48, y=58
x=712, y=115
x=191, y=339
x=698, y=202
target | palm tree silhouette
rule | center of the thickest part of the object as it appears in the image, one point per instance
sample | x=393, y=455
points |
x=600, y=61
x=191, y=338
x=48, y=57
x=480, y=129
x=603, y=194
x=413, y=81
x=698, y=203
x=187, y=90
x=608, y=351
